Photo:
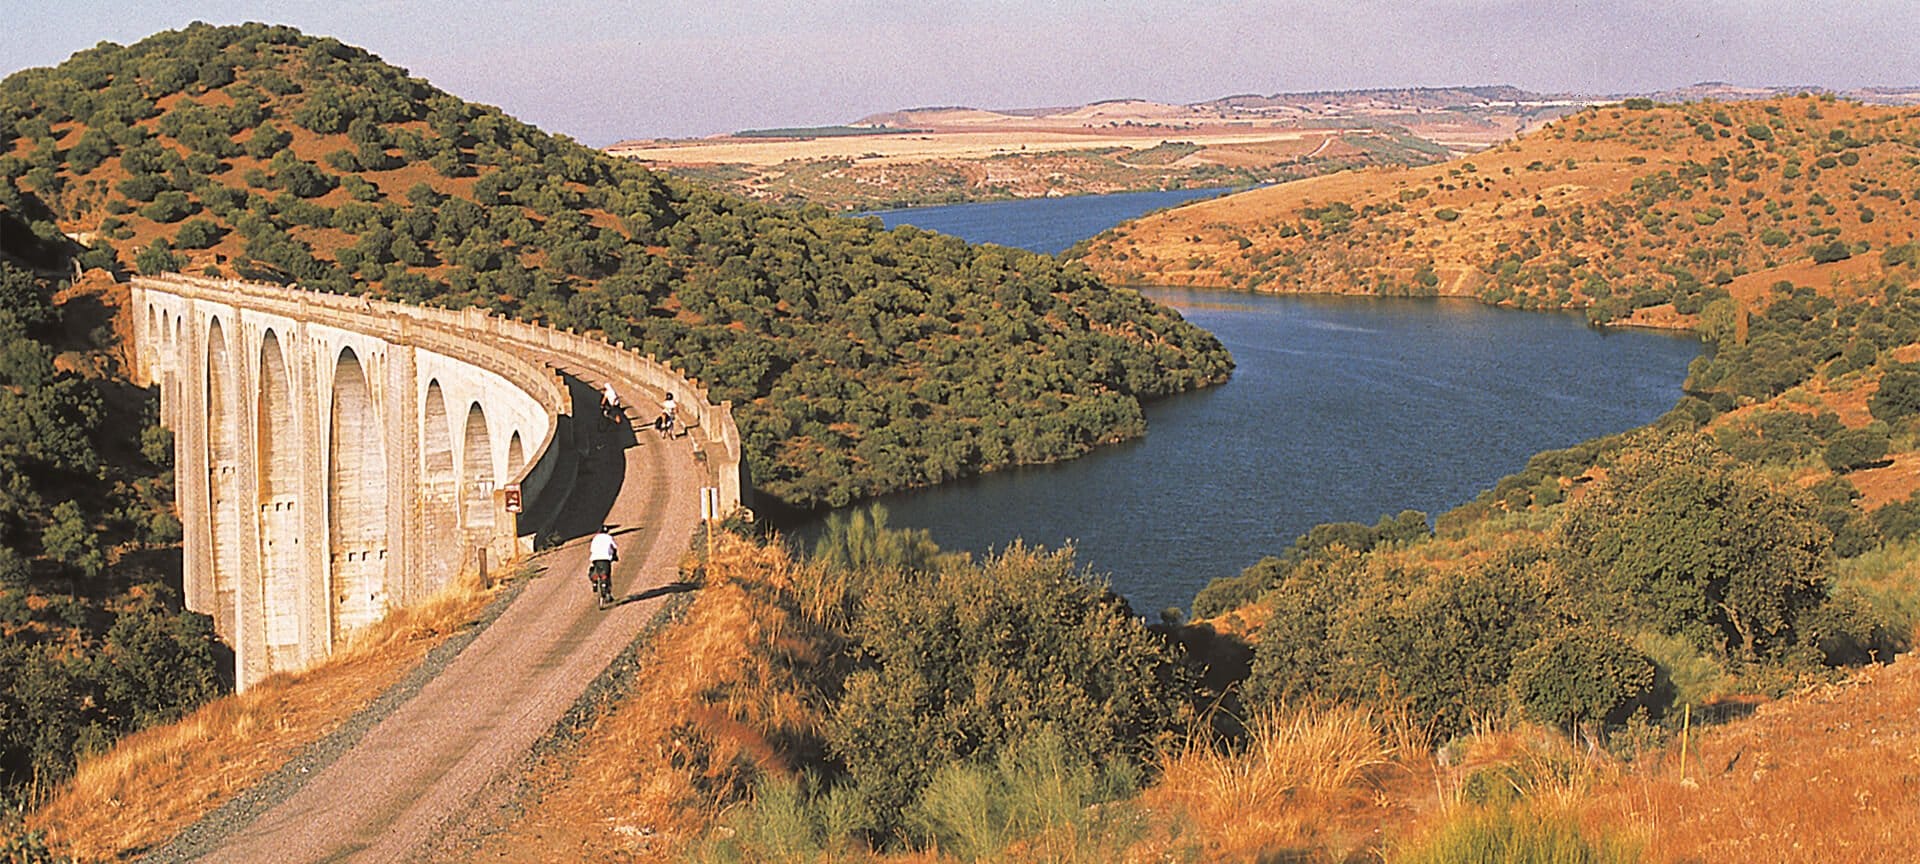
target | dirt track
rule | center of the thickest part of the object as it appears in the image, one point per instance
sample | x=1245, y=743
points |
x=424, y=766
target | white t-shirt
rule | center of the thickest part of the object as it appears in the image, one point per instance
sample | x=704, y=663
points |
x=611, y=397
x=601, y=549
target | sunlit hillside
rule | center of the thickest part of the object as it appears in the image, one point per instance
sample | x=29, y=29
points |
x=1636, y=212
x=859, y=360
x=1686, y=642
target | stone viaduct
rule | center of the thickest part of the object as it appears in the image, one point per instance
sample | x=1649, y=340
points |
x=338, y=457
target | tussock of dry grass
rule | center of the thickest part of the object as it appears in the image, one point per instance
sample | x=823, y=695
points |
x=155, y=783
x=1291, y=782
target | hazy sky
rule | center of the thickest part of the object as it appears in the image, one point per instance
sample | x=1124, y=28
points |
x=602, y=70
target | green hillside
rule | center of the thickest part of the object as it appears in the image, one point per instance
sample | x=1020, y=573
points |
x=93, y=642
x=860, y=360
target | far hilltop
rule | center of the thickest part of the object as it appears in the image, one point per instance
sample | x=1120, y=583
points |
x=951, y=154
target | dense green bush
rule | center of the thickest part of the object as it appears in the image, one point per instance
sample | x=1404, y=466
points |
x=1898, y=520
x=1852, y=449
x=95, y=648
x=1686, y=541
x=963, y=663
x=1300, y=646
x=1438, y=643
x=197, y=234
x=1899, y=395
x=1853, y=531
x=1827, y=253
x=1227, y=593
x=1580, y=673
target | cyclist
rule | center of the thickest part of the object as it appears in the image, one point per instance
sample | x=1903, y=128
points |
x=601, y=553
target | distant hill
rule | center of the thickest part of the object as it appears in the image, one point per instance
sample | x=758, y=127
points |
x=1637, y=212
x=1721, y=91
x=1401, y=98
x=950, y=154
x=860, y=360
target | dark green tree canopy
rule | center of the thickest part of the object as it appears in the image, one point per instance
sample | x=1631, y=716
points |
x=859, y=360
x=1690, y=542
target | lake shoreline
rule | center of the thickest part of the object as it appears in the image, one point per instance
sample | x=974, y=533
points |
x=1340, y=408
x=1681, y=326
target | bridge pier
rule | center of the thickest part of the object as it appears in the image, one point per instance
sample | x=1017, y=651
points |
x=338, y=457
x=299, y=467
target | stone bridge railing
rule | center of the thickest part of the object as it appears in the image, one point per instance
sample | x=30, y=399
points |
x=337, y=457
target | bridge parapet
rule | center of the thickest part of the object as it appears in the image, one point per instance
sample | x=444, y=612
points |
x=340, y=456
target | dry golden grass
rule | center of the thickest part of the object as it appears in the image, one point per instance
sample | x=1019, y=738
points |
x=714, y=707
x=660, y=767
x=1315, y=778
x=1829, y=775
x=153, y=784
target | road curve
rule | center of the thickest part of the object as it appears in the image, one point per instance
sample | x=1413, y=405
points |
x=434, y=758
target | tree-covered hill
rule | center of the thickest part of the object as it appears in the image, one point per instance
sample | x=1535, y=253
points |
x=859, y=360
x=1638, y=212
x=93, y=641
x=1762, y=533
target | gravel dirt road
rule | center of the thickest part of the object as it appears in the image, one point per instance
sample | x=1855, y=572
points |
x=424, y=765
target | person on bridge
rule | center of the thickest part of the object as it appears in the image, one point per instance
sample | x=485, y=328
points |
x=609, y=403
x=665, y=422
x=601, y=553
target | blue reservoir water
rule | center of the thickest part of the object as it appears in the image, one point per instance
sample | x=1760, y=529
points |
x=1339, y=409
x=1047, y=225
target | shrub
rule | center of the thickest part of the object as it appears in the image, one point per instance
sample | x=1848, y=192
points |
x=1439, y=644
x=1227, y=593
x=1298, y=645
x=1898, y=520
x=963, y=663
x=1580, y=673
x=267, y=141
x=1899, y=395
x=198, y=234
x=87, y=153
x=1448, y=648
x=169, y=206
x=156, y=257
x=1686, y=541
x=1852, y=449
x=1853, y=532
x=1827, y=253
x=70, y=540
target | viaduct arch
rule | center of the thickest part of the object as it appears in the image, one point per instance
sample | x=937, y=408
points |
x=338, y=457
